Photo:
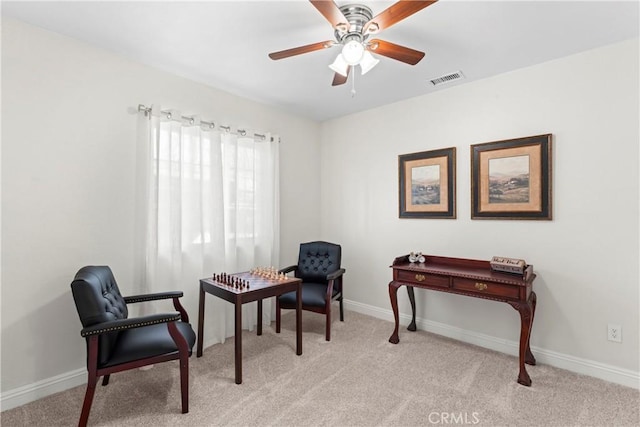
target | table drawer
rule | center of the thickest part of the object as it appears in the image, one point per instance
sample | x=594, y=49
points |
x=423, y=278
x=487, y=288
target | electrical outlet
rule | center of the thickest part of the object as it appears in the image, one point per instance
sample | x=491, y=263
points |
x=614, y=332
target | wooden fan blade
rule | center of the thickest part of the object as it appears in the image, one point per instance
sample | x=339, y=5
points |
x=301, y=49
x=394, y=14
x=339, y=79
x=332, y=13
x=395, y=51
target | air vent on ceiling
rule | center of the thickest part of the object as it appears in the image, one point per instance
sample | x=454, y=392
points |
x=447, y=78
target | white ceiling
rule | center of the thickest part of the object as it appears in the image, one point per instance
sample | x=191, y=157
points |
x=225, y=43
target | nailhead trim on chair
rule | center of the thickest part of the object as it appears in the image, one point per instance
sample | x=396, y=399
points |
x=142, y=299
x=135, y=325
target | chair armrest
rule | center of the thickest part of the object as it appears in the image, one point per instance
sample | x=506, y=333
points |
x=135, y=322
x=288, y=269
x=336, y=274
x=159, y=296
x=153, y=297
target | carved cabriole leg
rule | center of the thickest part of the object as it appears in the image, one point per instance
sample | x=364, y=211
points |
x=525, y=310
x=529, y=359
x=393, y=296
x=412, y=300
x=92, y=379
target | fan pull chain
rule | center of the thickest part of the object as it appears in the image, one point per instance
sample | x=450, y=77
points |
x=353, y=82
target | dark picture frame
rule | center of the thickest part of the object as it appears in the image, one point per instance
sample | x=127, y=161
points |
x=427, y=184
x=511, y=179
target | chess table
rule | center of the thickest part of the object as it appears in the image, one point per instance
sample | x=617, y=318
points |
x=241, y=288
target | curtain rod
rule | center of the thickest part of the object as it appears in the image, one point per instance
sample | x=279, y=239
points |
x=147, y=111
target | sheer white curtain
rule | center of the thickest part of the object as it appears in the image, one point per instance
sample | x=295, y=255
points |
x=211, y=206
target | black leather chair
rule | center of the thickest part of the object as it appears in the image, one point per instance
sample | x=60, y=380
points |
x=116, y=343
x=321, y=273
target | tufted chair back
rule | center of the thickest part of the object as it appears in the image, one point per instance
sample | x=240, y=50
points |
x=317, y=259
x=98, y=300
x=321, y=275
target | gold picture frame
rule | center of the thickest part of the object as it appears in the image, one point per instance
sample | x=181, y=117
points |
x=427, y=184
x=511, y=179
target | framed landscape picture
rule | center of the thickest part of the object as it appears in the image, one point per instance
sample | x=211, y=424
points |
x=511, y=179
x=427, y=184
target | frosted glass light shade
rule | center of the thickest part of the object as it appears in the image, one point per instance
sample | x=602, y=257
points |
x=352, y=52
x=367, y=62
x=340, y=66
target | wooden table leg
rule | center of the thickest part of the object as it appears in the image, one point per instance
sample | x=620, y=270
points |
x=200, y=322
x=259, y=317
x=238, y=341
x=412, y=300
x=525, y=310
x=393, y=296
x=299, y=320
x=528, y=358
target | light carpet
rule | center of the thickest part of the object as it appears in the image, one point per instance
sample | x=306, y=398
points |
x=357, y=379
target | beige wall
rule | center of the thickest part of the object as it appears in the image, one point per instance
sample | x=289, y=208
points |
x=68, y=182
x=68, y=195
x=586, y=258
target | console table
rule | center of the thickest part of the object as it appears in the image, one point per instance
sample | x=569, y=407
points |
x=473, y=278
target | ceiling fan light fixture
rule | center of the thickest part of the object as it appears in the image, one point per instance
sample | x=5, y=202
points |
x=368, y=62
x=353, y=51
x=340, y=65
x=353, y=25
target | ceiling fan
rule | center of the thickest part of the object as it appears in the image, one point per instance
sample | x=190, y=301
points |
x=353, y=25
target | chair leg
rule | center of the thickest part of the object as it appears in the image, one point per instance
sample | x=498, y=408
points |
x=88, y=400
x=184, y=382
x=105, y=380
x=92, y=379
x=341, y=311
x=277, y=315
x=183, y=351
x=328, y=331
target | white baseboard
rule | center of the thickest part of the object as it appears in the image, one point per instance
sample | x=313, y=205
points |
x=626, y=377
x=614, y=374
x=31, y=392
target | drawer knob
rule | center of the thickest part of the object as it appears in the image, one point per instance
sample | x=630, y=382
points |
x=481, y=286
x=420, y=277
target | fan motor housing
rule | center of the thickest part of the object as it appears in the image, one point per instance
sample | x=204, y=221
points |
x=357, y=15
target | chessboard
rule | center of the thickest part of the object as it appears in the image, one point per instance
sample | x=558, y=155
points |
x=256, y=278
